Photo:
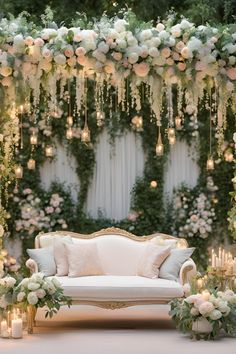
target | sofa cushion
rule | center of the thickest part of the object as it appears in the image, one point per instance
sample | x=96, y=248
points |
x=60, y=255
x=151, y=260
x=120, y=288
x=44, y=257
x=83, y=260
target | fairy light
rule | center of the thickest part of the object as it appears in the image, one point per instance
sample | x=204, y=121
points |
x=159, y=145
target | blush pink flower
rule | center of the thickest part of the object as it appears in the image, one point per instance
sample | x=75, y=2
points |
x=141, y=69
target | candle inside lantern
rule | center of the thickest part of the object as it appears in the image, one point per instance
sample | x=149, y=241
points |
x=69, y=133
x=159, y=149
x=228, y=156
x=16, y=328
x=85, y=135
x=210, y=164
x=178, y=123
x=100, y=118
x=171, y=136
x=18, y=171
x=49, y=151
x=70, y=121
x=33, y=139
x=4, y=329
x=31, y=164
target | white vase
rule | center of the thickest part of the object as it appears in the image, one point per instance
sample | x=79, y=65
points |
x=202, y=325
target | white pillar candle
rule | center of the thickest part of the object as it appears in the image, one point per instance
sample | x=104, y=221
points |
x=16, y=328
x=4, y=329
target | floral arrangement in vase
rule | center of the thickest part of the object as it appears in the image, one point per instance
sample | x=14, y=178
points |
x=207, y=314
x=36, y=291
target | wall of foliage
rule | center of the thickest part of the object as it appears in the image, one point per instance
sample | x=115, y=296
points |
x=120, y=67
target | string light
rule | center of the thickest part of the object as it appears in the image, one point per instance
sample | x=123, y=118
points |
x=153, y=184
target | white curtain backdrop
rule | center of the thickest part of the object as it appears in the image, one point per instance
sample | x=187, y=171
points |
x=117, y=167
x=61, y=169
x=181, y=167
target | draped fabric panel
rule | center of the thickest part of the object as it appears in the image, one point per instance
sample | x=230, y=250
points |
x=61, y=169
x=181, y=167
x=117, y=167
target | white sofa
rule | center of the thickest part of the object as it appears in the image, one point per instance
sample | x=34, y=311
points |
x=119, y=252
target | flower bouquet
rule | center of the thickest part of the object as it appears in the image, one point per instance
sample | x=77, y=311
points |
x=206, y=315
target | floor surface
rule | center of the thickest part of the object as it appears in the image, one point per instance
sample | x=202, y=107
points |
x=91, y=330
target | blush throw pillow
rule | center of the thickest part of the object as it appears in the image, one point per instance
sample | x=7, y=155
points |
x=171, y=267
x=44, y=257
x=151, y=260
x=83, y=260
x=60, y=255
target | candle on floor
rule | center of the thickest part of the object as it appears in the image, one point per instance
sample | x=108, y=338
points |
x=16, y=328
x=4, y=329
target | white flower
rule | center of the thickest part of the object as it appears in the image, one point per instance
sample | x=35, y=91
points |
x=103, y=47
x=48, y=33
x=176, y=31
x=56, y=282
x=8, y=281
x=41, y=293
x=194, y=311
x=160, y=27
x=119, y=25
x=206, y=307
x=121, y=43
x=186, y=53
x=215, y=315
x=153, y=52
x=145, y=35
x=133, y=58
x=29, y=40
x=62, y=31
x=184, y=24
x=32, y=298
x=60, y=59
x=21, y=296
x=33, y=285
x=164, y=35
x=39, y=42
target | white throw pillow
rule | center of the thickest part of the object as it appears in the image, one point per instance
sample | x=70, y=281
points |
x=44, y=257
x=171, y=266
x=83, y=260
x=60, y=255
x=151, y=260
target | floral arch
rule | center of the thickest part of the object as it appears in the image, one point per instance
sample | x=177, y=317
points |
x=171, y=67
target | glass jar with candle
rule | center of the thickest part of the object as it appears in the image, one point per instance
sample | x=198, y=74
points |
x=5, y=325
x=16, y=323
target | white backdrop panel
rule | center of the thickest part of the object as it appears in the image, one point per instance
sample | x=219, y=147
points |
x=181, y=167
x=117, y=167
x=61, y=169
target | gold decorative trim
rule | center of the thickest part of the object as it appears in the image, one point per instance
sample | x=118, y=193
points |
x=116, y=305
x=110, y=231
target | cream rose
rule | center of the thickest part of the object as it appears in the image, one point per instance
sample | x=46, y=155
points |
x=186, y=53
x=165, y=52
x=117, y=55
x=181, y=66
x=160, y=27
x=5, y=71
x=231, y=73
x=80, y=51
x=32, y=298
x=141, y=69
x=39, y=42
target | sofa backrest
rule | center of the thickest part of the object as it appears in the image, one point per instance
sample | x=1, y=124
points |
x=119, y=251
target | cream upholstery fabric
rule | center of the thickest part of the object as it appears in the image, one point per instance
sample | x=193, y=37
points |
x=60, y=255
x=151, y=260
x=83, y=260
x=119, y=288
x=119, y=255
x=191, y=272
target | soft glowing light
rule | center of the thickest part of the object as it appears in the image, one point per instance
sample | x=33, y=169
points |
x=171, y=136
x=178, y=123
x=228, y=156
x=100, y=118
x=49, y=151
x=159, y=145
x=153, y=184
x=137, y=121
x=70, y=121
x=210, y=164
x=85, y=135
x=31, y=164
x=33, y=139
x=19, y=171
x=69, y=133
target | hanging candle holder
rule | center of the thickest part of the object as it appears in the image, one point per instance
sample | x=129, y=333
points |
x=85, y=134
x=19, y=171
x=210, y=165
x=100, y=118
x=31, y=164
x=33, y=139
x=228, y=155
x=137, y=122
x=49, y=151
x=159, y=145
x=178, y=123
x=70, y=121
x=171, y=135
x=69, y=133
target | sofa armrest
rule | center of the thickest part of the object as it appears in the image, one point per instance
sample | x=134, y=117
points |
x=187, y=271
x=32, y=265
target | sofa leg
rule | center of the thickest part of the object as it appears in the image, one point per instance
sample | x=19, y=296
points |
x=31, y=314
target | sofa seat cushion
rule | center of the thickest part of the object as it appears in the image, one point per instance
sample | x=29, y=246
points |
x=120, y=288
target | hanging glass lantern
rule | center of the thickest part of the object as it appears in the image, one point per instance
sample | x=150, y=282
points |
x=210, y=163
x=33, y=139
x=19, y=171
x=228, y=156
x=49, y=152
x=159, y=145
x=85, y=134
x=178, y=123
x=31, y=164
x=171, y=136
x=69, y=133
x=70, y=121
x=100, y=118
